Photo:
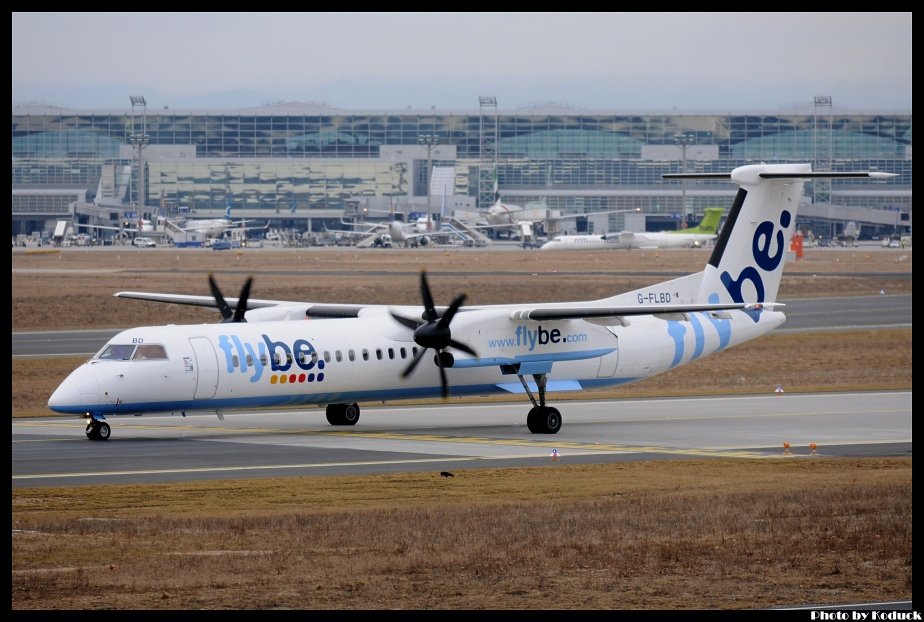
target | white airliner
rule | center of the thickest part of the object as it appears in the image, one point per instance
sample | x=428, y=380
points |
x=408, y=234
x=215, y=227
x=264, y=354
x=706, y=231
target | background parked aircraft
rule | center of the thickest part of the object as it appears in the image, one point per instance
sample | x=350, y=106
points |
x=704, y=232
x=415, y=233
x=215, y=227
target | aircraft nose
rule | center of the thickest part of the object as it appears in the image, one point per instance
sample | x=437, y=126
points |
x=77, y=393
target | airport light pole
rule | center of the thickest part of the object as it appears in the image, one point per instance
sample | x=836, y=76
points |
x=139, y=140
x=430, y=140
x=683, y=139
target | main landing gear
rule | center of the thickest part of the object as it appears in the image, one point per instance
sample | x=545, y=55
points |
x=342, y=414
x=541, y=419
x=98, y=430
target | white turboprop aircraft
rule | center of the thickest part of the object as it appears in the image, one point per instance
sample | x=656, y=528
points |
x=264, y=354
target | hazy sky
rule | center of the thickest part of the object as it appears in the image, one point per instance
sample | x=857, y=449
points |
x=613, y=61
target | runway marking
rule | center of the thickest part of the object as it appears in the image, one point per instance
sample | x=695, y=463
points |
x=321, y=465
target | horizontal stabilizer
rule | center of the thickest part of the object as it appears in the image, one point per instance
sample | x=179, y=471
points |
x=792, y=175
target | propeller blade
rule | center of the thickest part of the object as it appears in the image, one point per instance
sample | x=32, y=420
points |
x=451, y=311
x=242, y=302
x=445, y=383
x=410, y=368
x=226, y=313
x=404, y=321
x=461, y=346
x=429, y=310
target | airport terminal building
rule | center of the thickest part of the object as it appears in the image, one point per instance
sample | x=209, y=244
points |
x=303, y=164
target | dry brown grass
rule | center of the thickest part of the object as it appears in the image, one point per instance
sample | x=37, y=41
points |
x=686, y=534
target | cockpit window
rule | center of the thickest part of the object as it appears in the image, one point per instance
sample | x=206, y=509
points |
x=150, y=351
x=117, y=352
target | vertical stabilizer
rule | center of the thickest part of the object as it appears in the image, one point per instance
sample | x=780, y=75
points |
x=747, y=262
x=710, y=222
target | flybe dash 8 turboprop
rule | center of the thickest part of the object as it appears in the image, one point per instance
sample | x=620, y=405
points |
x=705, y=231
x=265, y=354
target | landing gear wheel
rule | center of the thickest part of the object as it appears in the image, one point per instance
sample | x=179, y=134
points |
x=335, y=413
x=103, y=431
x=543, y=420
x=342, y=414
x=350, y=414
x=98, y=431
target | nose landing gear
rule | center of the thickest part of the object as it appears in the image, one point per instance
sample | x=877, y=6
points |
x=98, y=430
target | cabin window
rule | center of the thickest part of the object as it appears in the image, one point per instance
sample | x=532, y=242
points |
x=249, y=360
x=289, y=359
x=403, y=352
x=352, y=355
x=149, y=352
x=275, y=359
x=302, y=358
x=327, y=356
x=263, y=360
x=117, y=352
x=338, y=356
x=391, y=353
x=414, y=351
x=378, y=353
x=234, y=360
x=365, y=354
x=314, y=357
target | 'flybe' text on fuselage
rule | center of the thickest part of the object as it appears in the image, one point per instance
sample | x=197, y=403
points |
x=244, y=357
x=529, y=337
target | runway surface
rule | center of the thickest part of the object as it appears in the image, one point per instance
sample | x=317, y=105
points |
x=454, y=436
x=812, y=314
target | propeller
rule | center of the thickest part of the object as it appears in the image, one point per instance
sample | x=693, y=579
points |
x=229, y=316
x=433, y=332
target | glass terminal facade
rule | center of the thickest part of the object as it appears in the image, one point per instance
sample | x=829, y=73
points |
x=300, y=158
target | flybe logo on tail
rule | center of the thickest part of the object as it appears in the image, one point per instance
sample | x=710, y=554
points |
x=290, y=364
x=761, y=248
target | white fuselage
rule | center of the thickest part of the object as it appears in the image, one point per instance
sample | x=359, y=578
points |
x=208, y=228
x=211, y=367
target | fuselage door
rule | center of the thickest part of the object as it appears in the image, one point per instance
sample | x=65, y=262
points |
x=207, y=367
x=609, y=362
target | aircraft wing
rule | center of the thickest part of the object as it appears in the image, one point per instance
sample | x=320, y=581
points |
x=198, y=301
x=314, y=310
x=241, y=225
x=583, y=313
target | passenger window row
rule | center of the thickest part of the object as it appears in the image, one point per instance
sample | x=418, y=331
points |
x=380, y=355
